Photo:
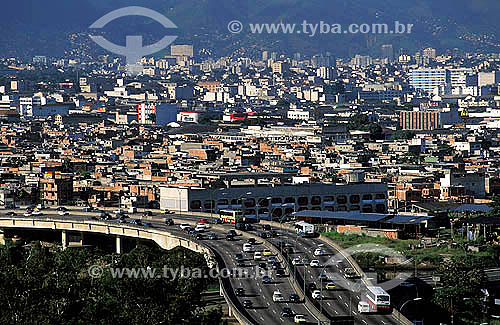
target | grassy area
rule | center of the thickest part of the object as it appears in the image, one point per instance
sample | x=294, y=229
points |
x=429, y=256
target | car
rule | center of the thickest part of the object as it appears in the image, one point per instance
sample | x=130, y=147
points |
x=232, y=232
x=168, y=212
x=314, y=263
x=323, y=276
x=184, y=226
x=272, y=259
x=316, y=294
x=169, y=222
x=251, y=241
x=229, y=237
x=330, y=286
x=200, y=227
x=204, y=220
x=294, y=297
x=262, y=234
x=286, y=312
x=240, y=263
x=318, y=252
x=296, y=261
x=277, y=296
x=11, y=213
x=311, y=286
x=87, y=209
x=63, y=213
x=147, y=213
x=212, y=236
x=41, y=206
x=216, y=221
x=266, y=227
x=238, y=256
x=280, y=273
x=247, y=303
x=117, y=211
x=136, y=222
x=267, y=252
x=37, y=213
x=272, y=233
x=289, y=250
x=276, y=265
x=62, y=209
x=247, y=248
x=257, y=256
x=266, y=279
x=199, y=237
x=300, y=319
x=148, y=224
x=262, y=265
x=92, y=218
x=28, y=214
x=240, y=292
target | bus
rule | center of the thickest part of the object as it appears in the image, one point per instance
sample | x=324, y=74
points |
x=231, y=216
x=304, y=229
x=378, y=299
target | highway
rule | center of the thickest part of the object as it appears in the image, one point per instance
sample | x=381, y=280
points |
x=264, y=310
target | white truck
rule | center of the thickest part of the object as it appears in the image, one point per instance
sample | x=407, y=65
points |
x=304, y=229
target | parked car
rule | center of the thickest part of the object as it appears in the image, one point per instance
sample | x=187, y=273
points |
x=62, y=209
x=240, y=292
x=280, y=273
x=296, y=261
x=311, y=286
x=212, y=236
x=63, y=213
x=147, y=213
x=247, y=248
x=257, y=256
x=184, y=226
x=251, y=241
x=11, y=213
x=136, y=222
x=262, y=234
x=169, y=222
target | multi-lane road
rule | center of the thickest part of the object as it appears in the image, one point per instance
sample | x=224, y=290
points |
x=339, y=302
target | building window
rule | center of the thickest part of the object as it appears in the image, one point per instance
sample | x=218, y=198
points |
x=316, y=200
x=342, y=208
x=250, y=212
x=223, y=202
x=354, y=199
x=380, y=208
x=277, y=212
x=249, y=203
x=303, y=200
x=290, y=200
x=316, y=208
x=302, y=208
x=276, y=200
x=367, y=197
x=289, y=210
x=342, y=199
x=367, y=208
x=354, y=208
x=208, y=204
x=263, y=202
x=235, y=201
x=380, y=196
x=195, y=205
x=329, y=199
x=263, y=211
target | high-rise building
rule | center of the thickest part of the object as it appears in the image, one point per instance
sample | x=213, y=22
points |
x=458, y=76
x=182, y=50
x=274, y=56
x=265, y=55
x=41, y=60
x=428, y=119
x=325, y=73
x=429, y=53
x=429, y=79
x=387, y=52
x=147, y=114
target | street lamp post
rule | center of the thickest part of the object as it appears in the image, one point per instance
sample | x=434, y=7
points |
x=403, y=305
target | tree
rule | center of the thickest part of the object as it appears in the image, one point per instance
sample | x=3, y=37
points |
x=495, y=206
x=462, y=278
x=402, y=135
